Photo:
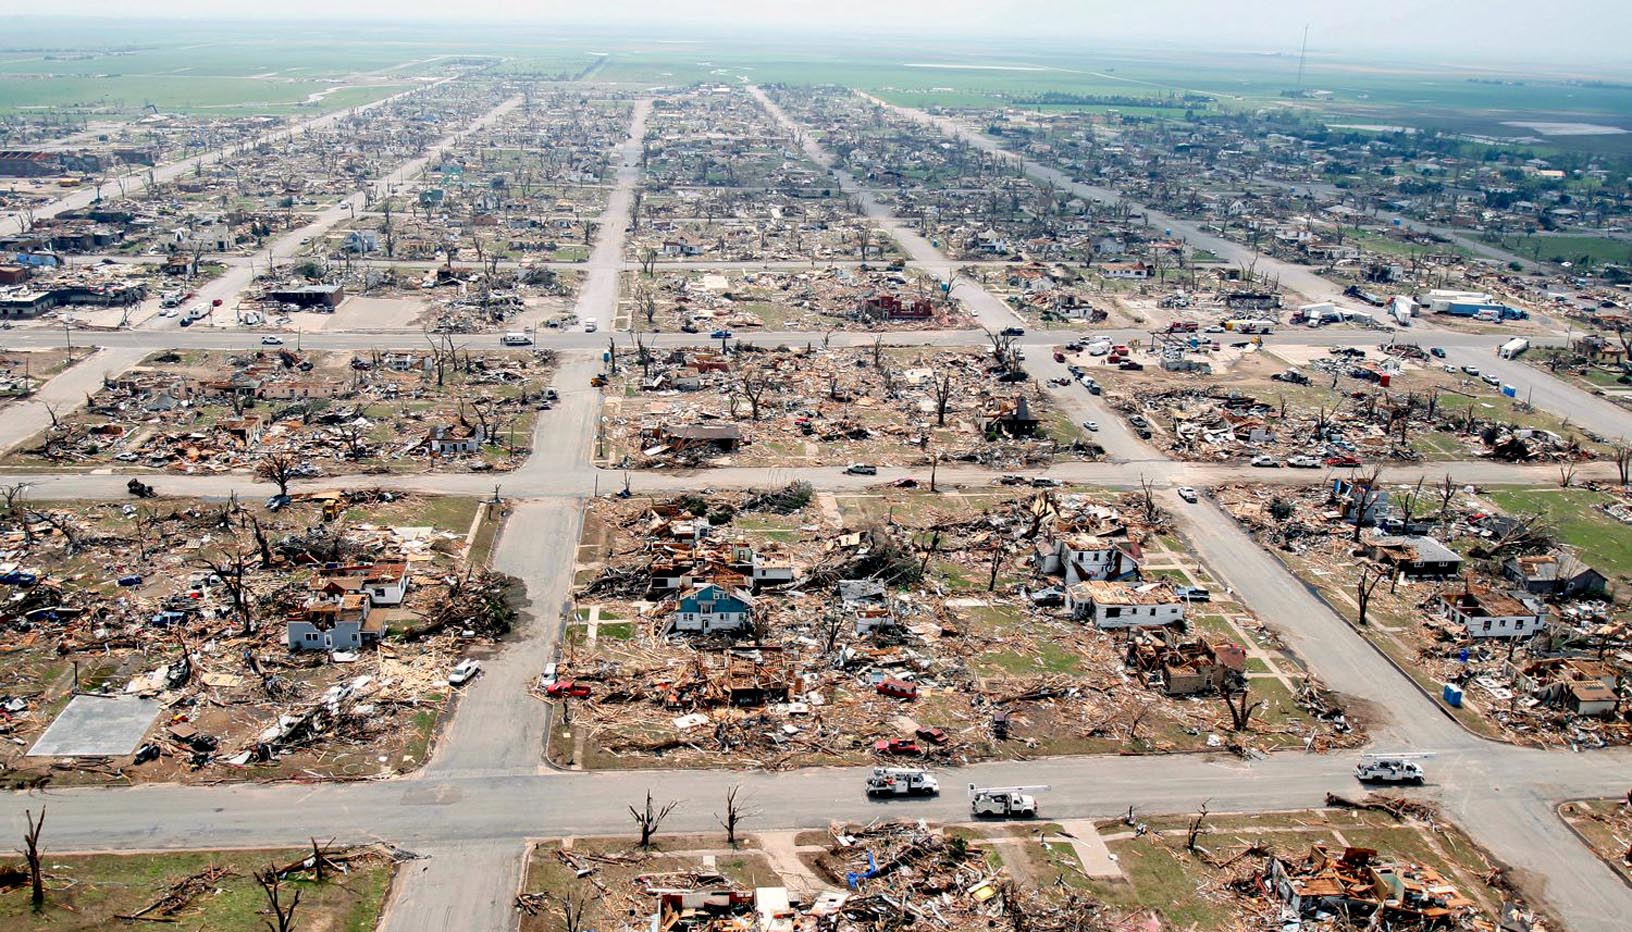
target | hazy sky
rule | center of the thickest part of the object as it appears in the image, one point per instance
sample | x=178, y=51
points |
x=1562, y=30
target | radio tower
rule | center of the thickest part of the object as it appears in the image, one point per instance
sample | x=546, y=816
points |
x=1302, y=54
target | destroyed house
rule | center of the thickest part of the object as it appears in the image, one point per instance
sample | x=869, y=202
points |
x=711, y=608
x=1084, y=557
x=1010, y=418
x=384, y=583
x=892, y=307
x=1186, y=668
x=1119, y=605
x=1559, y=573
x=724, y=438
x=1415, y=557
x=762, y=570
x=333, y=623
x=1358, y=884
x=320, y=297
x=245, y=430
x=454, y=440
x=1485, y=613
x=1582, y=685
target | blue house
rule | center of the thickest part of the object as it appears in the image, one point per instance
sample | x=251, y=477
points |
x=709, y=608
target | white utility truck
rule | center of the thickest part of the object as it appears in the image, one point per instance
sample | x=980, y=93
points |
x=902, y=781
x=1004, y=802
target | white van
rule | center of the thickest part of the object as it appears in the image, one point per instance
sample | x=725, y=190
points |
x=514, y=338
x=589, y=325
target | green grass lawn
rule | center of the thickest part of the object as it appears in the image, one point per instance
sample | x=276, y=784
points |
x=1604, y=542
x=86, y=892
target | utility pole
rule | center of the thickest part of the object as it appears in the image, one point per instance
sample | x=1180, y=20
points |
x=1303, y=53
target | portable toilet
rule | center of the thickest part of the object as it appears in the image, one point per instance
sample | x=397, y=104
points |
x=1453, y=695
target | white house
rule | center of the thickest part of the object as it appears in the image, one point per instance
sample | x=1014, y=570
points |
x=384, y=583
x=1119, y=605
x=1084, y=557
x=1486, y=613
x=762, y=571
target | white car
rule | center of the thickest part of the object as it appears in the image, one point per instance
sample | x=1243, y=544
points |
x=464, y=671
x=1188, y=494
x=1090, y=425
x=270, y=340
x=1269, y=462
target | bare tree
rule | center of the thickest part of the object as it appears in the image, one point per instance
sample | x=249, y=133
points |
x=283, y=914
x=31, y=854
x=1623, y=463
x=573, y=908
x=753, y=384
x=650, y=818
x=231, y=568
x=648, y=261
x=1148, y=506
x=1370, y=577
x=1363, y=493
x=1241, y=706
x=735, y=813
x=1447, y=494
x=1566, y=474
x=278, y=468
x=943, y=397
x=1198, y=826
x=1002, y=346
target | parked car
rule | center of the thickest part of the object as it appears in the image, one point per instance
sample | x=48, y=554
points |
x=899, y=746
x=271, y=340
x=720, y=335
x=19, y=578
x=131, y=580
x=1268, y=462
x=896, y=688
x=1344, y=460
x=1215, y=328
x=934, y=736
x=1490, y=380
x=1194, y=593
x=1436, y=352
x=567, y=689
x=1471, y=370
x=1014, y=331
x=861, y=469
x=1090, y=425
x=1303, y=462
x=464, y=671
x=1188, y=494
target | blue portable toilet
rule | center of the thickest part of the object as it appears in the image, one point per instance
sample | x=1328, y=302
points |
x=1453, y=695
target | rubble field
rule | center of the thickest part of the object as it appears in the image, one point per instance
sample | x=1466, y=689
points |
x=285, y=414
x=200, y=890
x=1242, y=401
x=313, y=640
x=789, y=628
x=1494, y=613
x=749, y=224
x=818, y=300
x=816, y=406
x=1203, y=872
x=1606, y=826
